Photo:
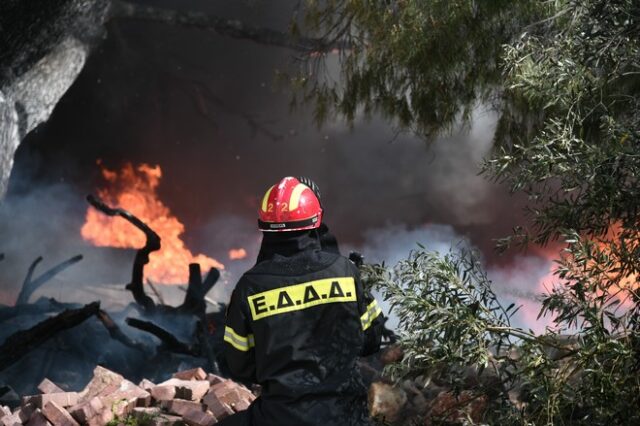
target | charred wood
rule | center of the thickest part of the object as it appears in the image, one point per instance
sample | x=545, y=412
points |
x=116, y=333
x=170, y=342
x=42, y=306
x=194, y=299
x=202, y=331
x=136, y=286
x=155, y=291
x=211, y=279
x=22, y=342
x=30, y=286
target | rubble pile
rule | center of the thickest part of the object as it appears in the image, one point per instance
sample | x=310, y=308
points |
x=422, y=400
x=190, y=397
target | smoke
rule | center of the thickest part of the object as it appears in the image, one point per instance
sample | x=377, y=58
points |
x=521, y=282
x=46, y=222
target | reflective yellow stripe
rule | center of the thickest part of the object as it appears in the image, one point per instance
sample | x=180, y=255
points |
x=265, y=200
x=239, y=342
x=302, y=296
x=373, y=310
x=294, y=200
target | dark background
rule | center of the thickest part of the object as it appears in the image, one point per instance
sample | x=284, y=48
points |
x=206, y=108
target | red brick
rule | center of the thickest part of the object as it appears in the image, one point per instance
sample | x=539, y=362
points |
x=223, y=387
x=11, y=420
x=87, y=410
x=25, y=411
x=163, y=393
x=166, y=420
x=230, y=398
x=64, y=399
x=103, y=382
x=142, y=413
x=38, y=419
x=47, y=386
x=199, y=418
x=124, y=399
x=57, y=415
x=192, y=390
x=219, y=409
x=181, y=406
x=213, y=379
x=241, y=405
x=146, y=384
x=193, y=374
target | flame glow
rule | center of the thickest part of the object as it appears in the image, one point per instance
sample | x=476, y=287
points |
x=237, y=254
x=135, y=189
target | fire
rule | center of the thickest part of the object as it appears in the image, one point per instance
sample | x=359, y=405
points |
x=135, y=189
x=237, y=254
x=624, y=284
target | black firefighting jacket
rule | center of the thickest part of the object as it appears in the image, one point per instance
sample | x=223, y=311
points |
x=296, y=324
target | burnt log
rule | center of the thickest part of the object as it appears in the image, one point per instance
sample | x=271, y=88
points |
x=22, y=342
x=136, y=286
x=29, y=286
x=155, y=291
x=169, y=341
x=116, y=333
x=42, y=306
x=194, y=299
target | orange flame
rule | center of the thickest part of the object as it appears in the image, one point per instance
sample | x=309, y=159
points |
x=237, y=254
x=135, y=190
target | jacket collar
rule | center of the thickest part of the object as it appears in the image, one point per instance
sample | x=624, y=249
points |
x=287, y=244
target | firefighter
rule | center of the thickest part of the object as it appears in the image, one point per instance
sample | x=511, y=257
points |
x=298, y=320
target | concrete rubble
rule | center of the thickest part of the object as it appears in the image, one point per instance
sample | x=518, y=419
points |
x=190, y=397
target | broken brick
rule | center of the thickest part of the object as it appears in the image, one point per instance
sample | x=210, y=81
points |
x=166, y=420
x=146, y=384
x=193, y=374
x=163, y=393
x=4, y=411
x=219, y=409
x=181, y=406
x=85, y=411
x=57, y=415
x=25, y=411
x=241, y=405
x=63, y=399
x=11, y=420
x=213, y=379
x=38, y=419
x=199, y=418
x=47, y=386
x=103, y=382
x=192, y=390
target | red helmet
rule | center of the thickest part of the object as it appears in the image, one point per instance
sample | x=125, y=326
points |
x=289, y=206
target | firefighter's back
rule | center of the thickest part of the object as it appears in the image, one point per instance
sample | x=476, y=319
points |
x=307, y=331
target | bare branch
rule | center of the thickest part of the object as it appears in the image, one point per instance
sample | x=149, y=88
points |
x=29, y=287
x=142, y=256
x=155, y=291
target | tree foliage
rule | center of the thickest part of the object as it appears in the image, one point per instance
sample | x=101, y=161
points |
x=422, y=64
x=453, y=328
